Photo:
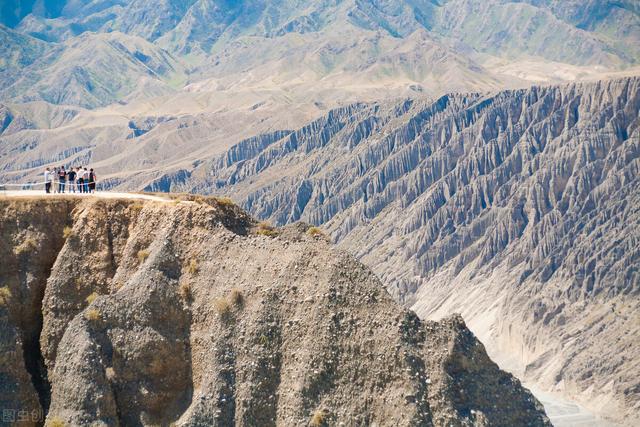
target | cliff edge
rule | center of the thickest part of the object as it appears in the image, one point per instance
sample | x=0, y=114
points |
x=125, y=312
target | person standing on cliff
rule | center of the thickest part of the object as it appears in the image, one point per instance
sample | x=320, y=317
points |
x=62, y=179
x=85, y=179
x=80, y=180
x=92, y=181
x=72, y=180
x=47, y=180
x=54, y=180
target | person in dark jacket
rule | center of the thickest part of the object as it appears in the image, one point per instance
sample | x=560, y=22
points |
x=71, y=177
x=62, y=179
x=92, y=181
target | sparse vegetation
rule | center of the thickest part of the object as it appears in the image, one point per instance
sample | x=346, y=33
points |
x=55, y=422
x=28, y=245
x=136, y=207
x=143, y=254
x=264, y=340
x=316, y=232
x=222, y=306
x=265, y=229
x=5, y=295
x=185, y=290
x=192, y=268
x=236, y=297
x=158, y=367
x=319, y=418
x=225, y=201
x=91, y=298
x=93, y=315
x=67, y=232
x=110, y=373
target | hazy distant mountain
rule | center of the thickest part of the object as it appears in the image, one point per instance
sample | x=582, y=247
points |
x=572, y=31
x=90, y=70
x=395, y=47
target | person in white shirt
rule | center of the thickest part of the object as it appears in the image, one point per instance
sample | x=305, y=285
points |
x=47, y=180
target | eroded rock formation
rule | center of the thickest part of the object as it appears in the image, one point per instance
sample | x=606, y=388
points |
x=190, y=313
x=518, y=209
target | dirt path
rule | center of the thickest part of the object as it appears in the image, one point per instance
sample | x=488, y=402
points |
x=99, y=194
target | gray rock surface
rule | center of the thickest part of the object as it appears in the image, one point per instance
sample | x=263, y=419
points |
x=519, y=209
x=190, y=313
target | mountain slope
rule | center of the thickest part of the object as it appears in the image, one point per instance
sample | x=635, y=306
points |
x=569, y=31
x=550, y=30
x=96, y=70
x=517, y=209
x=186, y=313
x=364, y=47
x=17, y=52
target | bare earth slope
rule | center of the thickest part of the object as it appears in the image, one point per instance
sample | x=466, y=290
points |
x=125, y=312
x=519, y=209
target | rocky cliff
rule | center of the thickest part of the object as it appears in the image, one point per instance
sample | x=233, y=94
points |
x=518, y=209
x=190, y=313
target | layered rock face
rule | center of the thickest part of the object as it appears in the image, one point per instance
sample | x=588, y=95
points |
x=188, y=313
x=518, y=209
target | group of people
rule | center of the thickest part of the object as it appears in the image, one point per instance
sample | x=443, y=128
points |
x=59, y=180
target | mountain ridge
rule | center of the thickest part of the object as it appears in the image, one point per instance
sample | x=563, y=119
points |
x=504, y=194
x=224, y=41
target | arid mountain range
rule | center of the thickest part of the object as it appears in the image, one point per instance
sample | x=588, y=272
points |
x=481, y=157
x=94, y=53
x=518, y=209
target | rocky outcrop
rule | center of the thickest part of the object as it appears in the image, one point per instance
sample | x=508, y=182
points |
x=518, y=209
x=189, y=313
x=32, y=235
